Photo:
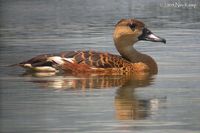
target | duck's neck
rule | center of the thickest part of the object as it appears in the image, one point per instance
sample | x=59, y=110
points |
x=131, y=54
x=127, y=51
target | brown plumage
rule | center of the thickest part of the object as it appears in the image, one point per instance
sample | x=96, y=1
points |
x=126, y=33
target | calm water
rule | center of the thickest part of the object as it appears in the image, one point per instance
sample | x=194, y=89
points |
x=166, y=102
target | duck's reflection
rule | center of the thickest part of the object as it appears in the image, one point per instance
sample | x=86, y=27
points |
x=69, y=81
x=127, y=104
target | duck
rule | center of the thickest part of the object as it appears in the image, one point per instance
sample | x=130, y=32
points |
x=127, y=33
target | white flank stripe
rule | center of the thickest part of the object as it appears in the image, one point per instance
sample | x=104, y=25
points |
x=57, y=59
x=69, y=59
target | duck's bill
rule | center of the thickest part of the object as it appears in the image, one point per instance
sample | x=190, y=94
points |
x=147, y=35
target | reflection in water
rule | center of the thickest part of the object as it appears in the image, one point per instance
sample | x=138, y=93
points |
x=127, y=105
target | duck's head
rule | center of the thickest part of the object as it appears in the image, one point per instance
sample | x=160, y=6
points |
x=129, y=31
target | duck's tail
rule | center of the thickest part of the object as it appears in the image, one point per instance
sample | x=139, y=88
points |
x=14, y=65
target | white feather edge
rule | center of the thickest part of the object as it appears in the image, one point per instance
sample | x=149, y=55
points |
x=56, y=59
x=71, y=60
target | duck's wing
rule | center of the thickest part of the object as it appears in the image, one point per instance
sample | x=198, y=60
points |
x=75, y=61
x=98, y=59
x=94, y=62
x=46, y=62
x=48, y=59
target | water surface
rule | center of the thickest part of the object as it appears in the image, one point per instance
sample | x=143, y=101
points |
x=166, y=102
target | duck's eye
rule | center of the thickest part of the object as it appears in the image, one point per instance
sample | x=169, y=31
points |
x=132, y=26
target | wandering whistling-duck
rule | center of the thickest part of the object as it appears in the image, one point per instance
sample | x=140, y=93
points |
x=126, y=33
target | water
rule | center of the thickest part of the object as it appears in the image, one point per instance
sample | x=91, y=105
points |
x=166, y=102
